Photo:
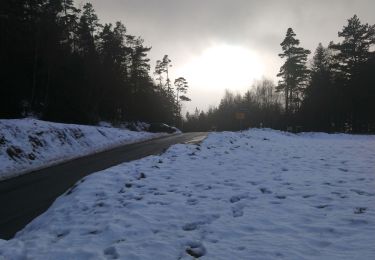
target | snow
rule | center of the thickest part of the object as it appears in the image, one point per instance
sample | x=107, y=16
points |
x=30, y=144
x=134, y=126
x=258, y=194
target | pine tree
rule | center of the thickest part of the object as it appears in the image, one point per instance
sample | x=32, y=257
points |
x=158, y=72
x=353, y=64
x=69, y=20
x=319, y=96
x=181, y=88
x=294, y=72
x=140, y=66
x=85, y=32
x=355, y=48
x=91, y=18
x=162, y=67
x=113, y=63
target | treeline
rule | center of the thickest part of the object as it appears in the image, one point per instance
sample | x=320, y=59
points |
x=60, y=63
x=261, y=107
x=334, y=93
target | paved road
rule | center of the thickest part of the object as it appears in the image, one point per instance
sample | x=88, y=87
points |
x=26, y=197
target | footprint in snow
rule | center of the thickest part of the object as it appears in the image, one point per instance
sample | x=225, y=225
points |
x=265, y=190
x=234, y=199
x=356, y=222
x=186, y=194
x=135, y=197
x=195, y=249
x=158, y=193
x=62, y=234
x=190, y=226
x=94, y=232
x=339, y=194
x=161, y=203
x=111, y=253
x=141, y=176
x=254, y=183
x=361, y=192
x=203, y=186
x=192, y=202
x=237, y=198
x=121, y=240
x=360, y=210
x=322, y=206
x=231, y=184
x=237, y=211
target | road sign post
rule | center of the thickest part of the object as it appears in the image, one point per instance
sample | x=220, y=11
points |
x=240, y=116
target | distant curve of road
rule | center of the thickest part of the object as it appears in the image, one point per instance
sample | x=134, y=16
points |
x=25, y=197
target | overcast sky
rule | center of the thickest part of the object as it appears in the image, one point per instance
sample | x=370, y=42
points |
x=188, y=30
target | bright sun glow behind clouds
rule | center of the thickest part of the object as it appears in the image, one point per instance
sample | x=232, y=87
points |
x=224, y=67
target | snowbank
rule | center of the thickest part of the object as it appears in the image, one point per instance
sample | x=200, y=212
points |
x=28, y=144
x=250, y=195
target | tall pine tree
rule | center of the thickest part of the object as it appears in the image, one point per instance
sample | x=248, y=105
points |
x=294, y=72
x=355, y=67
x=319, y=96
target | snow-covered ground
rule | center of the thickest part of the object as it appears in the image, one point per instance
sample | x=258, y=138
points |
x=28, y=144
x=259, y=194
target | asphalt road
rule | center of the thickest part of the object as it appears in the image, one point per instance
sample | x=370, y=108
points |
x=26, y=197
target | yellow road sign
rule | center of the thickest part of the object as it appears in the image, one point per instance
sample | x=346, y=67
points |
x=240, y=115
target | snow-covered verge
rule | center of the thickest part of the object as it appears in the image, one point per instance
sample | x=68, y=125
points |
x=134, y=126
x=29, y=144
x=251, y=195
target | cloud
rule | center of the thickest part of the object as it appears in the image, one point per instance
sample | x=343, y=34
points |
x=184, y=29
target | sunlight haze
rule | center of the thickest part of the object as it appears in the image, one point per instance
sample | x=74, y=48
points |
x=242, y=32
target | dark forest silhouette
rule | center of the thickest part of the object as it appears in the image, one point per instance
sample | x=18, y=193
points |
x=59, y=63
